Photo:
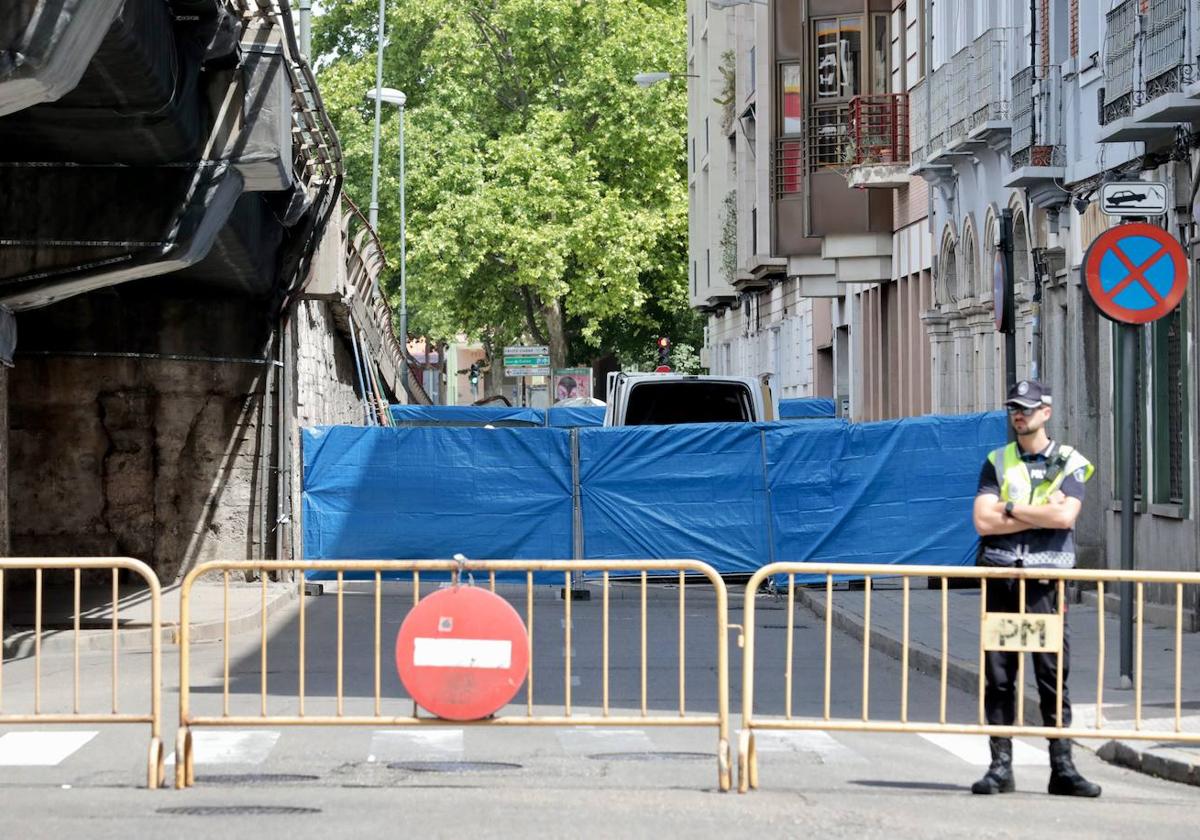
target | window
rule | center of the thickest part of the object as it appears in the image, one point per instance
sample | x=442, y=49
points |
x=792, y=106
x=753, y=70
x=708, y=267
x=693, y=154
x=837, y=51
x=830, y=133
x=1170, y=409
x=706, y=146
x=695, y=278
x=880, y=46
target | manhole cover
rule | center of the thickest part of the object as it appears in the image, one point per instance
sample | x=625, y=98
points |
x=452, y=766
x=236, y=810
x=653, y=756
x=255, y=778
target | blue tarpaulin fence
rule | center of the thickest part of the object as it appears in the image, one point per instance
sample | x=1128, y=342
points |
x=476, y=415
x=736, y=496
x=803, y=408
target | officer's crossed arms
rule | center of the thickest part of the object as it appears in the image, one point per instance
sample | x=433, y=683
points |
x=1059, y=512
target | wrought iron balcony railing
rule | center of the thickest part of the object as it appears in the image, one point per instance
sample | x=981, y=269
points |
x=787, y=167
x=879, y=129
x=1037, y=136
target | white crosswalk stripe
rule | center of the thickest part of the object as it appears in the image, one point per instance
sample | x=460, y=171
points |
x=40, y=749
x=231, y=746
x=819, y=743
x=973, y=749
x=587, y=740
x=418, y=744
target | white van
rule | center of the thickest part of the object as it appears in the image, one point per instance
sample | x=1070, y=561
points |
x=656, y=399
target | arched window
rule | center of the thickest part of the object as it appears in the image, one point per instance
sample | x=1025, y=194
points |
x=970, y=281
x=948, y=290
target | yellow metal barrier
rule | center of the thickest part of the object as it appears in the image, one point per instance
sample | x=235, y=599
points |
x=155, y=774
x=1029, y=632
x=374, y=570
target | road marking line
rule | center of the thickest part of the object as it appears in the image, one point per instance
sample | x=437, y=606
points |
x=818, y=742
x=390, y=745
x=585, y=740
x=40, y=749
x=973, y=749
x=231, y=746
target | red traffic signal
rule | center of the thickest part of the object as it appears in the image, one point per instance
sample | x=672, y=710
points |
x=664, y=343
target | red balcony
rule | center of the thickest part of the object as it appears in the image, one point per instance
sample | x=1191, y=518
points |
x=879, y=141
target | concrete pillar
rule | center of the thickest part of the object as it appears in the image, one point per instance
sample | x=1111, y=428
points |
x=941, y=361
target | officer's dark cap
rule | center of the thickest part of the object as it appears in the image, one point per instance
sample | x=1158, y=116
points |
x=1028, y=393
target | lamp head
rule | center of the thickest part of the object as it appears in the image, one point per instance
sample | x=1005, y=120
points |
x=389, y=95
x=647, y=79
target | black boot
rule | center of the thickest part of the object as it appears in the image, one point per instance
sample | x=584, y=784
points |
x=999, y=776
x=1064, y=778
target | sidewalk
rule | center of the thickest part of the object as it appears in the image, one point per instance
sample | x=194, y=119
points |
x=133, y=615
x=1170, y=760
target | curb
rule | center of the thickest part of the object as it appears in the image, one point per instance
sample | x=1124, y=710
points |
x=20, y=645
x=965, y=677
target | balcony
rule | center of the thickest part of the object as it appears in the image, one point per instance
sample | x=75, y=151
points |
x=1148, y=85
x=1038, y=155
x=879, y=138
x=963, y=105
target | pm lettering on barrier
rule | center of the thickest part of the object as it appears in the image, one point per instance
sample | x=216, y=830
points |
x=1023, y=632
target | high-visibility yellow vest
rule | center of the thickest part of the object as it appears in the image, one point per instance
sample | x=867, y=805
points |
x=1016, y=485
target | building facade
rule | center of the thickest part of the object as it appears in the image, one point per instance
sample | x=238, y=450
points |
x=899, y=139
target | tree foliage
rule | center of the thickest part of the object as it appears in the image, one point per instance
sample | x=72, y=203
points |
x=547, y=193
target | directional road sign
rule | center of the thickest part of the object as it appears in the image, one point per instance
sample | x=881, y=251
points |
x=1134, y=198
x=527, y=361
x=462, y=653
x=1135, y=273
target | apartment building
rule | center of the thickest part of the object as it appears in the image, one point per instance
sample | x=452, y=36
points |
x=889, y=143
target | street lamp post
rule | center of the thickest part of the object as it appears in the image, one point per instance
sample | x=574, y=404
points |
x=373, y=211
x=395, y=97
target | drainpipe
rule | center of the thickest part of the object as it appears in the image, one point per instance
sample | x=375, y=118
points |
x=1035, y=307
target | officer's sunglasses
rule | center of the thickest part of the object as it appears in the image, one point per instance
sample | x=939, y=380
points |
x=1024, y=412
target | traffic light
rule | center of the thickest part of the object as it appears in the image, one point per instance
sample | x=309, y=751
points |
x=474, y=373
x=664, y=350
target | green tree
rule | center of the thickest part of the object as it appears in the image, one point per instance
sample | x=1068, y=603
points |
x=547, y=192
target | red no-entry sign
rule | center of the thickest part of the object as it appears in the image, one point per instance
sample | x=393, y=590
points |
x=1136, y=273
x=462, y=653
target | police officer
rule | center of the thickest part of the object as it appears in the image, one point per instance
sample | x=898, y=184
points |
x=1029, y=496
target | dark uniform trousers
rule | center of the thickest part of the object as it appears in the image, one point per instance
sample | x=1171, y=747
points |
x=1000, y=697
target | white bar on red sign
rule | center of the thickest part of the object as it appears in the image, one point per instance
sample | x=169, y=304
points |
x=462, y=653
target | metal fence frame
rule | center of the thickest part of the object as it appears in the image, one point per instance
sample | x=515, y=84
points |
x=155, y=771
x=185, y=759
x=747, y=753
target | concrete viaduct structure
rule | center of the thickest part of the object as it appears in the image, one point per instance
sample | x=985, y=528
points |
x=182, y=283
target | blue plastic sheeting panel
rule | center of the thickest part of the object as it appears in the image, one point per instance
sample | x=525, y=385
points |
x=892, y=492
x=695, y=491
x=419, y=493
x=805, y=407
x=578, y=417
x=466, y=415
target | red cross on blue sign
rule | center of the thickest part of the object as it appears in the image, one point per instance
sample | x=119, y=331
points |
x=1135, y=273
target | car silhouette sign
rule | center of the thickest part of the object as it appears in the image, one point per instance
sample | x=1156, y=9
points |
x=1134, y=198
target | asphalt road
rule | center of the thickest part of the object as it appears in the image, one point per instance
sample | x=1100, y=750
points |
x=468, y=781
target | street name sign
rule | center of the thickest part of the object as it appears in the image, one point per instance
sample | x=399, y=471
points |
x=1133, y=198
x=527, y=361
x=462, y=653
x=1135, y=272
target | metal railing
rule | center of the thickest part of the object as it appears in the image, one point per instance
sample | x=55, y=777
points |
x=939, y=108
x=919, y=127
x=989, y=76
x=373, y=571
x=1120, y=42
x=1164, y=46
x=961, y=92
x=879, y=128
x=828, y=137
x=787, y=166
x=77, y=566
x=1037, y=136
x=1016, y=632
